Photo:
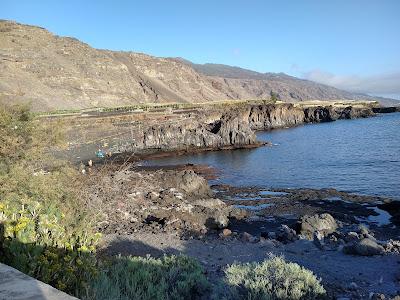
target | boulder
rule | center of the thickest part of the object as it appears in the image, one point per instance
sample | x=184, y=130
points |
x=238, y=213
x=351, y=237
x=215, y=220
x=285, y=234
x=246, y=237
x=193, y=184
x=364, y=247
x=323, y=223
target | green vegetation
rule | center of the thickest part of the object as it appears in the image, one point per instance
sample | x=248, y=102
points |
x=272, y=279
x=337, y=103
x=162, y=107
x=274, y=97
x=171, y=277
x=148, y=107
x=45, y=232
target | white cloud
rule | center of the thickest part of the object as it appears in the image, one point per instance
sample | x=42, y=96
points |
x=382, y=84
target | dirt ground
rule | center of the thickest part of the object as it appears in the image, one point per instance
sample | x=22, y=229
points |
x=342, y=275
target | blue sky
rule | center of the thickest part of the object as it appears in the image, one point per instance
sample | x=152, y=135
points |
x=351, y=44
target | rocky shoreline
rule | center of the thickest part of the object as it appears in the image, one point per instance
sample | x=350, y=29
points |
x=147, y=134
x=231, y=129
x=172, y=210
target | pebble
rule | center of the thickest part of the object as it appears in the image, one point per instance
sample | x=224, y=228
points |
x=226, y=232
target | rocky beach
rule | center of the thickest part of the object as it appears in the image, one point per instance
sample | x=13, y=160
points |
x=172, y=209
x=157, y=212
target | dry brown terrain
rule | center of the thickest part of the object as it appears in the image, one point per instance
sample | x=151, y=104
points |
x=54, y=73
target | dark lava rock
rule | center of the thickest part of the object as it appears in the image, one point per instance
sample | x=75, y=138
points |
x=393, y=208
x=286, y=234
x=351, y=237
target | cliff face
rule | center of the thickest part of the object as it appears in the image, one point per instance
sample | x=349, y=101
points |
x=232, y=129
x=55, y=72
x=266, y=117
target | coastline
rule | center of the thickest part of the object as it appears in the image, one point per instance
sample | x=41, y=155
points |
x=172, y=210
x=146, y=135
x=169, y=210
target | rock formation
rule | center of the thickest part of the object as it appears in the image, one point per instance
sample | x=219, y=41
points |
x=131, y=200
x=231, y=128
x=322, y=223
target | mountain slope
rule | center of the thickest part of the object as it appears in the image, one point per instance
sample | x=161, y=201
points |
x=55, y=72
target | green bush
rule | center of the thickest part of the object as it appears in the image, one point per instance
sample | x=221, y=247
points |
x=272, y=279
x=170, y=277
x=45, y=232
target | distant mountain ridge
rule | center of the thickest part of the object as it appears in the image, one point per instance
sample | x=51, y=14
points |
x=53, y=72
x=221, y=70
x=227, y=71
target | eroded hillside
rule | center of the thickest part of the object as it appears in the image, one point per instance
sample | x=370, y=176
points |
x=53, y=72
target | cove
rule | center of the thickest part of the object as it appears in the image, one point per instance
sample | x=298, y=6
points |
x=360, y=156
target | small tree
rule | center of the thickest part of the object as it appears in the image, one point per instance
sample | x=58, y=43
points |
x=274, y=97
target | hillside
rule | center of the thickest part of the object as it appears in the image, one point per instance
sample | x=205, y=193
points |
x=53, y=72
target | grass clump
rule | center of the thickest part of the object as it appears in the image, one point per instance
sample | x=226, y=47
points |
x=169, y=277
x=272, y=279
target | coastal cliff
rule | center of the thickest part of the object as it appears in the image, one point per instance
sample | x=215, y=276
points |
x=231, y=128
x=267, y=117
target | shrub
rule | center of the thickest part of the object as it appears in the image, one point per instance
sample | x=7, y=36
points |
x=272, y=279
x=274, y=97
x=45, y=232
x=170, y=277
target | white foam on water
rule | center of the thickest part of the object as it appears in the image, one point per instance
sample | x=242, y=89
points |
x=271, y=193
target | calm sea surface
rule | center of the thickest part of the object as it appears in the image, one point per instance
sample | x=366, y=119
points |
x=360, y=156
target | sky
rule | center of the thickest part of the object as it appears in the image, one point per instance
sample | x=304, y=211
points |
x=350, y=44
